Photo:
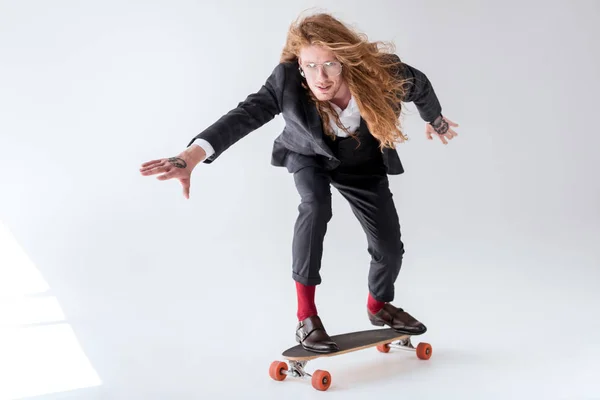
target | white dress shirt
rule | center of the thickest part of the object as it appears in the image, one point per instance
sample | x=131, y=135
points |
x=349, y=117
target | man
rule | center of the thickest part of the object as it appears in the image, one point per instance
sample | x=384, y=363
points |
x=340, y=97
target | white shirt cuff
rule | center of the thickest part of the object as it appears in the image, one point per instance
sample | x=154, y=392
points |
x=206, y=146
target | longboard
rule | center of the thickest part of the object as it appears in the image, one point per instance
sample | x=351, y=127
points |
x=383, y=339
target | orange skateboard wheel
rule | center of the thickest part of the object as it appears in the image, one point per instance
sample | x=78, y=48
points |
x=424, y=351
x=321, y=380
x=276, y=370
x=383, y=348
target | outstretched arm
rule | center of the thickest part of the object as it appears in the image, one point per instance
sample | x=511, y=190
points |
x=252, y=113
x=256, y=110
x=419, y=90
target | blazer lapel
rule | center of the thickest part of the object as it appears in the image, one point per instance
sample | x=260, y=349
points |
x=363, y=128
x=314, y=124
x=313, y=119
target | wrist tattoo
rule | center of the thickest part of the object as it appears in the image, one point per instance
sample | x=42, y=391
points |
x=178, y=162
x=440, y=125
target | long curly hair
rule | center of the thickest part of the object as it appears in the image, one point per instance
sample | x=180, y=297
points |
x=369, y=68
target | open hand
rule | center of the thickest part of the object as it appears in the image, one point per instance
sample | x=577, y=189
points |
x=441, y=128
x=179, y=167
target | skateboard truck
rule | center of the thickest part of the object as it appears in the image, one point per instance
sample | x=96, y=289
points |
x=402, y=344
x=297, y=369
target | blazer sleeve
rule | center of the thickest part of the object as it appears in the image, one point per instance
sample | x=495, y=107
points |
x=419, y=91
x=256, y=110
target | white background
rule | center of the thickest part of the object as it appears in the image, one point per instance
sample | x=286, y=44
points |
x=114, y=286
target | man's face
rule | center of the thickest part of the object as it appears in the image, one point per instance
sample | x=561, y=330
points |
x=322, y=72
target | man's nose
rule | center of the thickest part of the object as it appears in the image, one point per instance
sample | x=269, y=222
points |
x=321, y=74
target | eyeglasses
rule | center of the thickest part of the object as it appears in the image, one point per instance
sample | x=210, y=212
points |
x=331, y=68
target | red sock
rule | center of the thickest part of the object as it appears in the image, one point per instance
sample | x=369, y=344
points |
x=306, y=301
x=374, y=305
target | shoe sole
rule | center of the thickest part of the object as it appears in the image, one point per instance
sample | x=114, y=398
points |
x=413, y=333
x=324, y=351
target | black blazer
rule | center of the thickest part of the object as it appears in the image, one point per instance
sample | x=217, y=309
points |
x=301, y=143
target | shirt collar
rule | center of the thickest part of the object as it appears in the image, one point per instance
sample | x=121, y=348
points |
x=350, y=107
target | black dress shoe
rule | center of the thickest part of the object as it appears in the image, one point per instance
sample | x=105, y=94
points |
x=397, y=319
x=311, y=334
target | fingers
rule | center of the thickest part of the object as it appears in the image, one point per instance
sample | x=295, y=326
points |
x=450, y=134
x=444, y=138
x=163, y=165
x=170, y=172
x=186, y=187
x=153, y=167
x=151, y=163
x=450, y=122
x=153, y=170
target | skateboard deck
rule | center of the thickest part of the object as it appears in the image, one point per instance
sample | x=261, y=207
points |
x=382, y=339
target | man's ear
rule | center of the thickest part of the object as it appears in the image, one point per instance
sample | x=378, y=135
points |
x=300, y=67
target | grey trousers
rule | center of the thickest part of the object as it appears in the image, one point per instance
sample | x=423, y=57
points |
x=369, y=196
